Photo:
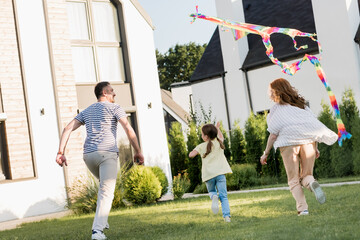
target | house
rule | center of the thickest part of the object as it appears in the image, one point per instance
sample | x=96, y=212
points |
x=53, y=52
x=233, y=76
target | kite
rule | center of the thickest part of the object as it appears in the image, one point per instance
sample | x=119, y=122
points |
x=240, y=30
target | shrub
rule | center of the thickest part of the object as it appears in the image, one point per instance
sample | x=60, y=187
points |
x=255, y=130
x=237, y=141
x=201, y=188
x=356, y=145
x=178, y=150
x=323, y=168
x=83, y=195
x=274, y=160
x=141, y=185
x=341, y=157
x=159, y=173
x=194, y=165
x=181, y=184
x=244, y=175
x=227, y=151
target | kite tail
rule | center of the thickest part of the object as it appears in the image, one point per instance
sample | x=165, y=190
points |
x=342, y=133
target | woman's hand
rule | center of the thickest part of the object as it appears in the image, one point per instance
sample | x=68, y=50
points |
x=317, y=153
x=263, y=159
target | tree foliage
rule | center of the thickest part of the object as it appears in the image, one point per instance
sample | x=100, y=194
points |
x=178, y=63
x=178, y=151
x=342, y=157
x=255, y=133
x=237, y=144
x=194, y=169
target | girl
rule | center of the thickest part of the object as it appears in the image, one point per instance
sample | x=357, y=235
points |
x=214, y=166
x=295, y=129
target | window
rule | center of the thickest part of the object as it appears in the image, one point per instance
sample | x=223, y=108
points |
x=168, y=121
x=4, y=165
x=95, y=41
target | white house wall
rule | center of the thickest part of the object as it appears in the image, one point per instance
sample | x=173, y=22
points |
x=234, y=53
x=46, y=193
x=181, y=95
x=210, y=95
x=146, y=89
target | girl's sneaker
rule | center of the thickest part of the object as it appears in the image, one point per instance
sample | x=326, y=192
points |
x=98, y=235
x=215, y=204
x=303, y=213
x=319, y=194
x=227, y=219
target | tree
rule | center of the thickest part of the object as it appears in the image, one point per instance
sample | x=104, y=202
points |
x=178, y=63
x=194, y=169
x=227, y=151
x=255, y=131
x=237, y=141
x=342, y=157
x=323, y=167
x=178, y=152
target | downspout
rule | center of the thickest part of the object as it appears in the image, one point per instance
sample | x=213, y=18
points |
x=248, y=88
x=226, y=101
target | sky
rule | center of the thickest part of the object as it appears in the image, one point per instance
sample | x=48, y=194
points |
x=172, y=22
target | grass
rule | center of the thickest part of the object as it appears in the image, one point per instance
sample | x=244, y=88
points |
x=256, y=215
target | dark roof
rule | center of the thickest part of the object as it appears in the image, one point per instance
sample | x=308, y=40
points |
x=211, y=63
x=357, y=35
x=278, y=13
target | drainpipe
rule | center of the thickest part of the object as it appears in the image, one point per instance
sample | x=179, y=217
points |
x=226, y=101
x=248, y=88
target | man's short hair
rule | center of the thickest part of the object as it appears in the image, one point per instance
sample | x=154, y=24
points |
x=99, y=88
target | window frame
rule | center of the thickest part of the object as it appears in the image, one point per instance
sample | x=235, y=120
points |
x=95, y=45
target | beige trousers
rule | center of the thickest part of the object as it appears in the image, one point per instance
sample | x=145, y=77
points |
x=293, y=157
x=104, y=166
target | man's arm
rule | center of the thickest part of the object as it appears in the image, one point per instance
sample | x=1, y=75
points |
x=133, y=139
x=72, y=126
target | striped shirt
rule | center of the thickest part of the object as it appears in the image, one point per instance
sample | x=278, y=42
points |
x=101, y=121
x=296, y=126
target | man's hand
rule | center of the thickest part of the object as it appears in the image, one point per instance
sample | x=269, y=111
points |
x=139, y=158
x=61, y=159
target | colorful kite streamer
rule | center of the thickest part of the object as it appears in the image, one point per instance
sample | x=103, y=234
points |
x=242, y=29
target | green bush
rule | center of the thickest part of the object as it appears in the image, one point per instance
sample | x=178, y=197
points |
x=83, y=195
x=323, y=167
x=227, y=150
x=159, y=173
x=244, y=175
x=255, y=131
x=237, y=144
x=342, y=157
x=356, y=145
x=181, y=184
x=141, y=185
x=201, y=188
x=178, y=152
x=194, y=165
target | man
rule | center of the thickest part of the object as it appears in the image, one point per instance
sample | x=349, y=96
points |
x=100, y=148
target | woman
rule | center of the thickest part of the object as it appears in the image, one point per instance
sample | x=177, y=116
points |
x=296, y=131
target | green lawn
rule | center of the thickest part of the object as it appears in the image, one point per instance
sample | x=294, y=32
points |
x=257, y=215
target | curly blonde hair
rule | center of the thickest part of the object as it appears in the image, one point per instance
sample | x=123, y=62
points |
x=283, y=93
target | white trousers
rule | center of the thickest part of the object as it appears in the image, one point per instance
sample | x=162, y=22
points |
x=104, y=166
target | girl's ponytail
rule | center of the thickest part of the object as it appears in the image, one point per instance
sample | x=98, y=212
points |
x=208, y=148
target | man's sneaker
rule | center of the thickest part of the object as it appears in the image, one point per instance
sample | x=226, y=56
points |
x=215, y=204
x=227, y=219
x=302, y=213
x=98, y=235
x=319, y=194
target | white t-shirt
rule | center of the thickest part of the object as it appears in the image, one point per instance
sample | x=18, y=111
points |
x=296, y=126
x=215, y=163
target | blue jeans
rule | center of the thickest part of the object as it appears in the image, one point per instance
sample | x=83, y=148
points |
x=220, y=183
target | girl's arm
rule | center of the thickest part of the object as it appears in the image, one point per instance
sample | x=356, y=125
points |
x=270, y=142
x=220, y=135
x=193, y=153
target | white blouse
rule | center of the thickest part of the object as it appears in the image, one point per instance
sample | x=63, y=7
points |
x=296, y=126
